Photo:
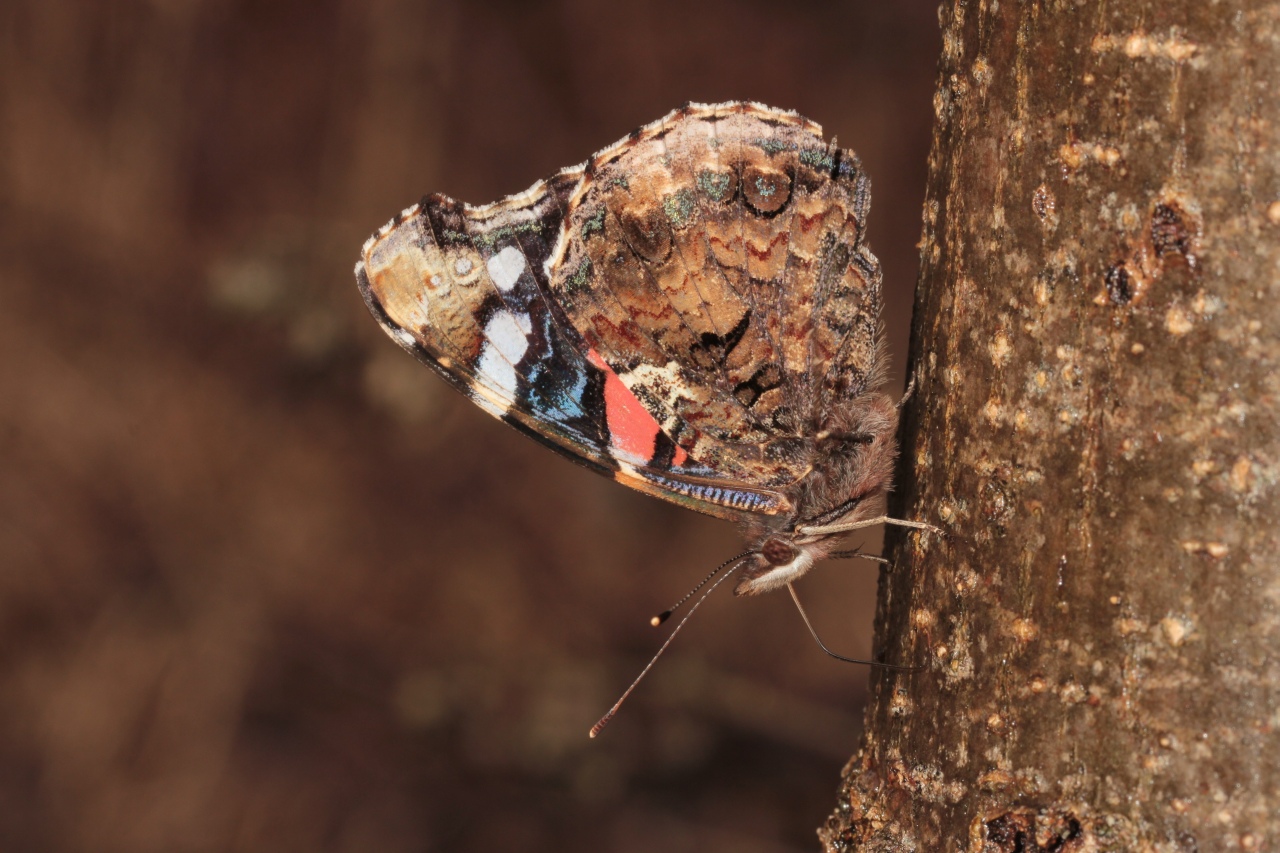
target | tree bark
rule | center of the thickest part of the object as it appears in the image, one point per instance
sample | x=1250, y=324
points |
x=1096, y=427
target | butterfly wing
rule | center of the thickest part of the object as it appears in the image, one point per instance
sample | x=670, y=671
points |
x=465, y=290
x=715, y=260
x=677, y=313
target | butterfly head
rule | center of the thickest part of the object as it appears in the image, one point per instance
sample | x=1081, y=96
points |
x=781, y=557
x=777, y=561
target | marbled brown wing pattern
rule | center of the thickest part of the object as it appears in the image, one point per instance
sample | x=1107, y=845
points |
x=715, y=260
x=683, y=312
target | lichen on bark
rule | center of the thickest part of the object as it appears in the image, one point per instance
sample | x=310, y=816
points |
x=1096, y=426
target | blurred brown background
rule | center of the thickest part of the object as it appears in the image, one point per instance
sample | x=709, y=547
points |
x=267, y=585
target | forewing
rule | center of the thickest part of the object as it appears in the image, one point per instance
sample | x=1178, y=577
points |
x=465, y=290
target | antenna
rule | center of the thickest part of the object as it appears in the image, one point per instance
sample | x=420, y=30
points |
x=604, y=721
x=655, y=621
x=805, y=616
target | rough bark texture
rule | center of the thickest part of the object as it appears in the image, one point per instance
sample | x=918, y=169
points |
x=1096, y=427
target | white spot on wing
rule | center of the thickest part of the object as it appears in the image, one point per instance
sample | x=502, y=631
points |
x=509, y=333
x=403, y=336
x=506, y=341
x=506, y=266
x=501, y=376
x=462, y=266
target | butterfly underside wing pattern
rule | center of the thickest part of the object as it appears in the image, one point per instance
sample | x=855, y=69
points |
x=692, y=311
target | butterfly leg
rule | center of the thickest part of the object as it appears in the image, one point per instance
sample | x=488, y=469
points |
x=868, y=522
x=911, y=389
x=805, y=616
x=856, y=553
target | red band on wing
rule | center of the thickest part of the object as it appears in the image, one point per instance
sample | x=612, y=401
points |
x=632, y=430
x=679, y=457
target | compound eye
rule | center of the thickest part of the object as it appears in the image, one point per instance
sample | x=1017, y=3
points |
x=778, y=552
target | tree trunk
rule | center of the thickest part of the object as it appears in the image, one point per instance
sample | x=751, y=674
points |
x=1095, y=426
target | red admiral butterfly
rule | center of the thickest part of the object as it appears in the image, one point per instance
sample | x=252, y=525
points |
x=692, y=312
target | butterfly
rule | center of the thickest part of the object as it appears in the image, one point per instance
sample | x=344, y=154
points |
x=693, y=312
